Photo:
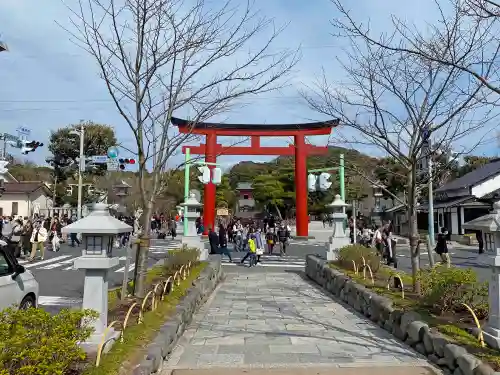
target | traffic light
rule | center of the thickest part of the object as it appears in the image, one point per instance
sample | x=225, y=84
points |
x=124, y=162
x=311, y=182
x=324, y=181
x=205, y=174
x=29, y=146
x=216, y=176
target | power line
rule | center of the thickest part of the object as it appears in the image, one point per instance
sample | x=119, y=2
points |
x=60, y=101
x=80, y=55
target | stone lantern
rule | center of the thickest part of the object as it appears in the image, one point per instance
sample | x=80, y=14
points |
x=489, y=225
x=377, y=207
x=339, y=237
x=191, y=238
x=98, y=231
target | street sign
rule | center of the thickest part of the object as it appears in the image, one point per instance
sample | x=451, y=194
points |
x=112, y=165
x=99, y=159
x=23, y=130
x=113, y=152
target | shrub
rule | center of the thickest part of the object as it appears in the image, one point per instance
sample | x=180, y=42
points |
x=35, y=342
x=447, y=289
x=356, y=253
x=177, y=258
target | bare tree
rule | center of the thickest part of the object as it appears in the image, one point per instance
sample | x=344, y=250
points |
x=394, y=101
x=160, y=57
x=465, y=37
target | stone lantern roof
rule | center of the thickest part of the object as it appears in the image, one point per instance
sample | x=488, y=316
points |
x=486, y=223
x=99, y=221
x=337, y=202
x=191, y=201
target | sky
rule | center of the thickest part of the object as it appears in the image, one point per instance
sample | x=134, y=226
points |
x=48, y=82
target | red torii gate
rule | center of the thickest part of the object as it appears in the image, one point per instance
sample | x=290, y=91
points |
x=299, y=149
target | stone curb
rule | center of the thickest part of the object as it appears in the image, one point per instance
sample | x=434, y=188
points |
x=407, y=326
x=162, y=346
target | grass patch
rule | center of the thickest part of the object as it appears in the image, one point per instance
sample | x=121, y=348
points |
x=136, y=337
x=452, y=325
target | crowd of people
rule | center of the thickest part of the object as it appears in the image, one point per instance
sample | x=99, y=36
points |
x=29, y=238
x=255, y=238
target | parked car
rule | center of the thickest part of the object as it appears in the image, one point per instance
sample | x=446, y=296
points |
x=18, y=286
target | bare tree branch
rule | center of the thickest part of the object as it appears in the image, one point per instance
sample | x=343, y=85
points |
x=390, y=99
x=160, y=57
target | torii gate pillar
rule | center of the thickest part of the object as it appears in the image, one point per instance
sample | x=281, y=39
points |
x=302, y=221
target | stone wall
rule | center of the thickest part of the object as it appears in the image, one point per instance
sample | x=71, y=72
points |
x=170, y=332
x=406, y=326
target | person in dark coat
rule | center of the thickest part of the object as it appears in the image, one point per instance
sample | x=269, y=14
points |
x=213, y=239
x=223, y=242
x=442, y=247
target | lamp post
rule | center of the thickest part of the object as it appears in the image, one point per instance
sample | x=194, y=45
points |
x=98, y=231
x=377, y=196
x=81, y=167
x=339, y=238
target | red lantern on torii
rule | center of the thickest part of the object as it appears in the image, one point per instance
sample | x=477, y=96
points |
x=211, y=149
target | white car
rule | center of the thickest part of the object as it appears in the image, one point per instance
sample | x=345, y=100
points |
x=18, y=286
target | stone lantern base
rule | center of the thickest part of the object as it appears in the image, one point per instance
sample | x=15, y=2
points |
x=196, y=243
x=334, y=245
x=491, y=336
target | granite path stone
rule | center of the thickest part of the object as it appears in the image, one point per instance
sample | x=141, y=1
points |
x=275, y=320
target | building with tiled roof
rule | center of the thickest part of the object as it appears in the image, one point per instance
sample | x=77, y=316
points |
x=24, y=198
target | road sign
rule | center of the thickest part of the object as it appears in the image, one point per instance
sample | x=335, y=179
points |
x=23, y=130
x=113, y=152
x=99, y=159
x=112, y=165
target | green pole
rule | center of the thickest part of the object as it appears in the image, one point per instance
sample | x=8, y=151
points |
x=342, y=177
x=187, y=161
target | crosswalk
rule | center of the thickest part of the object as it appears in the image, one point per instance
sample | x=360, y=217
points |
x=65, y=262
x=276, y=261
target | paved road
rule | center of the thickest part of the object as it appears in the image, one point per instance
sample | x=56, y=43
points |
x=62, y=286
x=279, y=320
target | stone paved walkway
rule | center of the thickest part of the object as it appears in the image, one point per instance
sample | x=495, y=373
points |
x=280, y=320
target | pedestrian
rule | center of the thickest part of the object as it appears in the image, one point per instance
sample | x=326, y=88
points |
x=55, y=234
x=271, y=240
x=213, y=240
x=251, y=250
x=173, y=228
x=480, y=242
x=38, y=238
x=26, y=238
x=442, y=247
x=283, y=236
x=223, y=239
x=259, y=244
x=15, y=238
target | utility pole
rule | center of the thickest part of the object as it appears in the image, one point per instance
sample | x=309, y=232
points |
x=354, y=219
x=80, y=171
x=81, y=167
x=430, y=205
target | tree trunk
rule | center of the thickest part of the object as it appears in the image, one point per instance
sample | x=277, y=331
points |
x=142, y=257
x=278, y=212
x=413, y=230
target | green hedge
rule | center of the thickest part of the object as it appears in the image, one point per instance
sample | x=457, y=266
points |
x=357, y=253
x=34, y=342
